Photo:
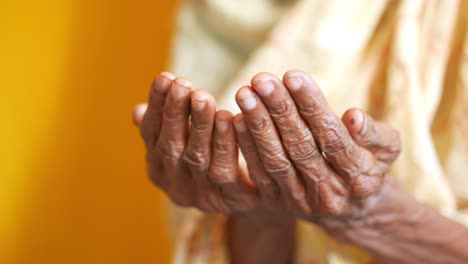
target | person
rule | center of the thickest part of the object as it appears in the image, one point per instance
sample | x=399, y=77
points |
x=310, y=187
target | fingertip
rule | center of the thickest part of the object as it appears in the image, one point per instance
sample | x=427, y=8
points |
x=201, y=100
x=139, y=113
x=181, y=88
x=242, y=93
x=264, y=83
x=184, y=83
x=245, y=98
x=163, y=82
x=292, y=73
x=168, y=75
x=295, y=80
x=262, y=77
x=354, y=121
x=239, y=123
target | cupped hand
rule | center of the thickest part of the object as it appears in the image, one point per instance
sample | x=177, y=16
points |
x=309, y=162
x=192, y=153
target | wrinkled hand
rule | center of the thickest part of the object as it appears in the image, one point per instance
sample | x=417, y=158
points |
x=309, y=162
x=192, y=152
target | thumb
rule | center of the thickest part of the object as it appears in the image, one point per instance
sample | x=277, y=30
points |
x=377, y=137
x=139, y=113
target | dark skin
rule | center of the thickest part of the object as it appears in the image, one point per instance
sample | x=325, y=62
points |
x=303, y=162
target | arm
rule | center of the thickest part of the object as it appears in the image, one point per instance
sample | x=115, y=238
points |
x=261, y=239
x=346, y=189
x=397, y=229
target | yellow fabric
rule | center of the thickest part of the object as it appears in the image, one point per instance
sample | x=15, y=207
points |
x=73, y=186
x=405, y=62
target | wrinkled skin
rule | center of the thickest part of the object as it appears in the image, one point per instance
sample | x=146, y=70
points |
x=317, y=164
x=196, y=162
x=302, y=159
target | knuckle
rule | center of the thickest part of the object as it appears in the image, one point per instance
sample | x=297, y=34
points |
x=333, y=139
x=196, y=160
x=279, y=168
x=249, y=151
x=170, y=149
x=283, y=111
x=223, y=148
x=259, y=125
x=303, y=150
x=309, y=109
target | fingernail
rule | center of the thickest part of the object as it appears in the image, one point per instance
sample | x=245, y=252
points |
x=181, y=87
x=294, y=82
x=199, y=102
x=240, y=126
x=265, y=87
x=221, y=125
x=198, y=105
x=161, y=84
x=359, y=122
x=168, y=75
x=248, y=100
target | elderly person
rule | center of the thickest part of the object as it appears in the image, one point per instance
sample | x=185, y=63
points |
x=310, y=187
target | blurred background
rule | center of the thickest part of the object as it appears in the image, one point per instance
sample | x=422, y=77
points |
x=73, y=187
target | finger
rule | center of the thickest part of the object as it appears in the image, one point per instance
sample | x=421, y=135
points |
x=377, y=137
x=274, y=157
x=152, y=119
x=267, y=188
x=174, y=129
x=197, y=153
x=224, y=170
x=295, y=135
x=354, y=164
x=294, y=132
x=138, y=113
x=172, y=140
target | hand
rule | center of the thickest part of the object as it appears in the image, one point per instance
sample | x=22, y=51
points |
x=312, y=166
x=192, y=152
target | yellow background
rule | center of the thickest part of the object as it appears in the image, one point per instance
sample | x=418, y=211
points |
x=72, y=181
